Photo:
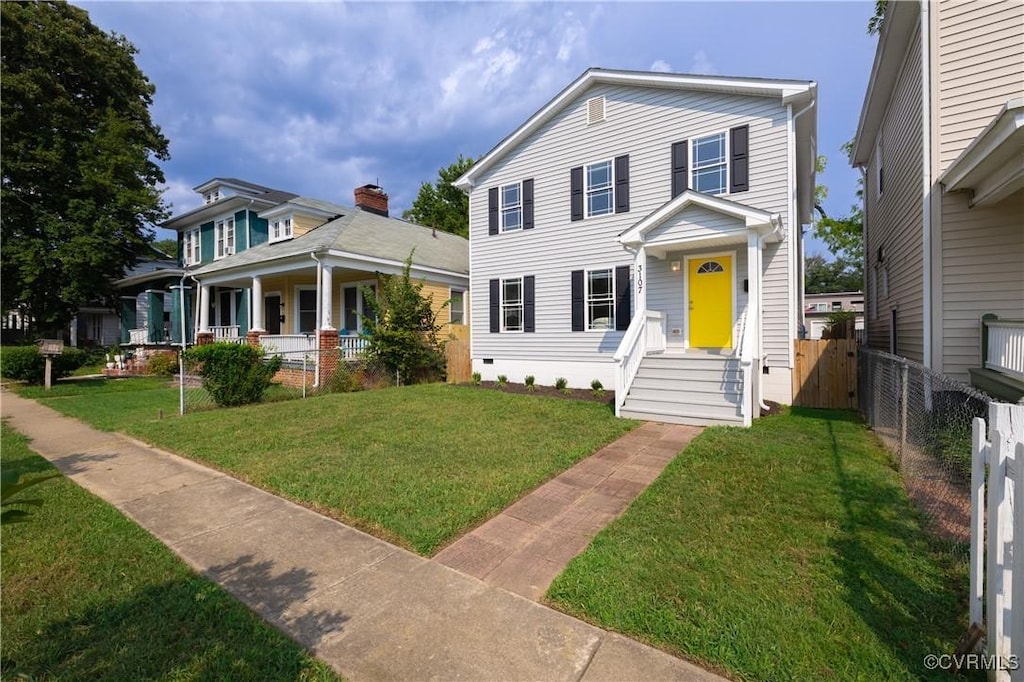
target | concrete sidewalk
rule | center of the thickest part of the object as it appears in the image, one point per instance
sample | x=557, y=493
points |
x=371, y=610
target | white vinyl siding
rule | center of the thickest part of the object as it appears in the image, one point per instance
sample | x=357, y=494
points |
x=980, y=52
x=643, y=123
x=895, y=222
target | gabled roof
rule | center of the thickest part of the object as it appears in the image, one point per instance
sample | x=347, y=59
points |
x=992, y=166
x=364, y=235
x=753, y=218
x=250, y=194
x=787, y=90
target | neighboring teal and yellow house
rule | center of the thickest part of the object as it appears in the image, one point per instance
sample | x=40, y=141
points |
x=289, y=273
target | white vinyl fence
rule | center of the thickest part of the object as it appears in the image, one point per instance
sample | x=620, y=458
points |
x=997, y=515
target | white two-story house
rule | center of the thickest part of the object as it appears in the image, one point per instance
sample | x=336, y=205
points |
x=643, y=229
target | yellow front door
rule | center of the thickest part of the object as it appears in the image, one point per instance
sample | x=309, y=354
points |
x=709, y=287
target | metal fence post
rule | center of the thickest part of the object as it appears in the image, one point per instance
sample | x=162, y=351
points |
x=305, y=356
x=904, y=396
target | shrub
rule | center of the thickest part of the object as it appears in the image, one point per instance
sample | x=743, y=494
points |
x=502, y=379
x=233, y=374
x=597, y=387
x=24, y=363
x=162, y=364
x=475, y=378
x=561, y=383
x=348, y=378
x=530, y=380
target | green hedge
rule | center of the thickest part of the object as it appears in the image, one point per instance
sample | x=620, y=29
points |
x=233, y=374
x=24, y=363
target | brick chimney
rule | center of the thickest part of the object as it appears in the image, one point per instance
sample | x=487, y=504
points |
x=373, y=199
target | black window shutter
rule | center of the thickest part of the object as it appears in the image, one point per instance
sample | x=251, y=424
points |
x=528, y=303
x=680, y=176
x=495, y=304
x=623, y=297
x=528, y=204
x=739, y=171
x=492, y=210
x=622, y=184
x=578, y=302
x=576, y=192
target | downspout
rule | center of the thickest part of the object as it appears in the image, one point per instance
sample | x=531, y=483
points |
x=199, y=300
x=926, y=178
x=319, y=315
x=864, y=240
x=184, y=341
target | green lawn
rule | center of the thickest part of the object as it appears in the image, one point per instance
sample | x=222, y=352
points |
x=88, y=595
x=417, y=465
x=785, y=551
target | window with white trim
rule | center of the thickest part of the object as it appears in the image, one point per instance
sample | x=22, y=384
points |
x=224, y=237
x=456, y=306
x=879, y=167
x=709, y=170
x=280, y=229
x=191, y=252
x=307, y=308
x=211, y=197
x=600, y=195
x=512, y=305
x=511, y=207
x=600, y=299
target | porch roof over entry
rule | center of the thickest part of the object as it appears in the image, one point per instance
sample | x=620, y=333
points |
x=697, y=219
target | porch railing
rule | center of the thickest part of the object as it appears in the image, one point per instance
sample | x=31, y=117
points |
x=287, y=345
x=226, y=333
x=350, y=347
x=646, y=334
x=1003, y=345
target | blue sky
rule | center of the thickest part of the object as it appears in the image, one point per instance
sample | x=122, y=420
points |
x=319, y=98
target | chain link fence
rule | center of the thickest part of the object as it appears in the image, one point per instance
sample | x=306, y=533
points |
x=302, y=374
x=924, y=419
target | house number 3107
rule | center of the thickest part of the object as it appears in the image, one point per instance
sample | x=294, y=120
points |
x=639, y=279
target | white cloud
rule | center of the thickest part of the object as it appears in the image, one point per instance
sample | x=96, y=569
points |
x=661, y=65
x=702, y=64
x=178, y=194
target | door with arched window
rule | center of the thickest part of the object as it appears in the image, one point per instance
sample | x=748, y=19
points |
x=710, y=294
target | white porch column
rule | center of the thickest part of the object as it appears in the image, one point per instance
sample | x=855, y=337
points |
x=257, y=305
x=327, y=303
x=640, y=279
x=204, y=308
x=753, y=295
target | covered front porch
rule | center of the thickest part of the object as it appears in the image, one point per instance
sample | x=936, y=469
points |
x=692, y=353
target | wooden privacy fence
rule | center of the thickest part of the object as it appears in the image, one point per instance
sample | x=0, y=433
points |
x=825, y=373
x=456, y=350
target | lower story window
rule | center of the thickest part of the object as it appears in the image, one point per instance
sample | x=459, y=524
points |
x=600, y=299
x=307, y=310
x=457, y=306
x=512, y=305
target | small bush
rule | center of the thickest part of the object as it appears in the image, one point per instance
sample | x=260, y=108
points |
x=162, y=364
x=529, y=381
x=597, y=387
x=502, y=379
x=346, y=379
x=561, y=383
x=24, y=363
x=475, y=378
x=234, y=374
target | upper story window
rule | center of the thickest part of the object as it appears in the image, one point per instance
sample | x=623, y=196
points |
x=600, y=299
x=512, y=305
x=280, y=229
x=190, y=251
x=600, y=195
x=709, y=167
x=456, y=306
x=224, y=237
x=879, y=166
x=511, y=207
x=211, y=197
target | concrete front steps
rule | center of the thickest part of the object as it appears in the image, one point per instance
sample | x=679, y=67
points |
x=693, y=389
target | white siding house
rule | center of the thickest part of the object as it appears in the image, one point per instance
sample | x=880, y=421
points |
x=647, y=214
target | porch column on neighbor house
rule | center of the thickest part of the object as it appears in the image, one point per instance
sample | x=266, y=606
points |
x=257, y=305
x=204, y=309
x=640, y=279
x=180, y=314
x=753, y=295
x=127, y=317
x=155, y=321
x=327, y=304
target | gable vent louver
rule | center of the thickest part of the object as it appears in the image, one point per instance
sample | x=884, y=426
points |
x=595, y=110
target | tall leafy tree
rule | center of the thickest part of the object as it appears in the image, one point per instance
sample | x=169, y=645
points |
x=441, y=205
x=822, y=276
x=79, y=165
x=843, y=235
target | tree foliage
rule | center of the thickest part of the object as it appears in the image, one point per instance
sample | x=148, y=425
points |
x=168, y=246
x=822, y=276
x=79, y=164
x=844, y=237
x=403, y=328
x=442, y=205
x=878, y=18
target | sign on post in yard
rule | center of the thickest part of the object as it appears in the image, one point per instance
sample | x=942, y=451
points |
x=48, y=348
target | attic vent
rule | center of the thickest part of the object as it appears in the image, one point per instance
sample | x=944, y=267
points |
x=595, y=110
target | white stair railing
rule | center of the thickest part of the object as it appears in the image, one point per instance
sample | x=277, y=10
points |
x=646, y=334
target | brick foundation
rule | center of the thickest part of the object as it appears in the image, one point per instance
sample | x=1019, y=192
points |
x=253, y=338
x=328, y=359
x=204, y=338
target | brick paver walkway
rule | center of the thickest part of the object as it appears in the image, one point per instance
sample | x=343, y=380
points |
x=526, y=546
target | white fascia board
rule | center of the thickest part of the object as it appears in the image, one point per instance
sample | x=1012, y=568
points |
x=752, y=217
x=289, y=208
x=200, y=214
x=898, y=27
x=1002, y=140
x=761, y=87
x=355, y=261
